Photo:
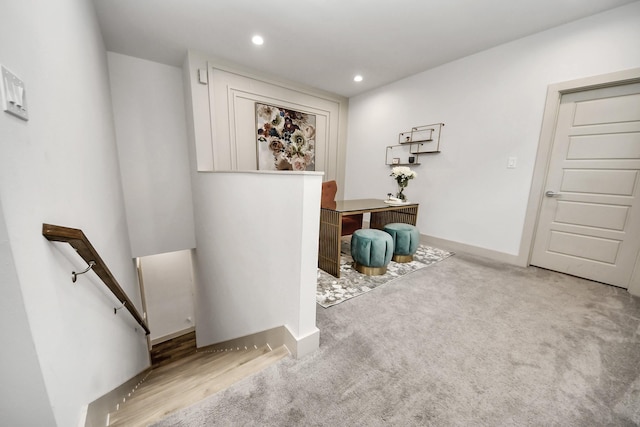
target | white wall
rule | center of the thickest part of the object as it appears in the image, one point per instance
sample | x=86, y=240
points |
x=168, y=288
x=256, y=259
x=24, y=396
x=255, y=265
x=492, y=105
x=61, y=167
x=148, y=105
x=225, y=119
x=233, y=100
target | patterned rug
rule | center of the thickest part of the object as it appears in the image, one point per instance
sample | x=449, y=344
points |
x=332, y=291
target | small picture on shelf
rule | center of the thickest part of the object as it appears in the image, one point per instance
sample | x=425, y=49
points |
x=395, y=161
x=404, y=137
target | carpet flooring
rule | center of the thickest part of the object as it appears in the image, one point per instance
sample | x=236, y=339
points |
x=331, y=290
x=465, y=342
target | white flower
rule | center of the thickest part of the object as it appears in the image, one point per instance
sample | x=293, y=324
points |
x=403, y=172
x=266, y=112
x=308, y=130
x=298, y=164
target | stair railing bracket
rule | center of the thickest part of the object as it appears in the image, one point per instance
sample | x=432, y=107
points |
x=74, y=275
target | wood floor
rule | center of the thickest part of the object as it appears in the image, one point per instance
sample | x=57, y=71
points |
x=173, y=349
x=181, y=382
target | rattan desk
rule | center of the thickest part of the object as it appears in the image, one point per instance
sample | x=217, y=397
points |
x=331, y=225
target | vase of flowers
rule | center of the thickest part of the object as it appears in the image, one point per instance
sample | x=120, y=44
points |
x=402, y=175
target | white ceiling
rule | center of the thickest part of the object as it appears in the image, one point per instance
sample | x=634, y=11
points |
x=324, y=43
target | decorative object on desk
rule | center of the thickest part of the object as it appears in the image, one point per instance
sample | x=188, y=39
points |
x=402, y=175
x=331, y=291
x=286, y=139
x=412, y=159
x=394, y=201
x=395, y=161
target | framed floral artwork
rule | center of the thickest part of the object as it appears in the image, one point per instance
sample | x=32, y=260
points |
x=286, y=139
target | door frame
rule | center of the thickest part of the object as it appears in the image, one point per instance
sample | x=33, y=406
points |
x=543, y=156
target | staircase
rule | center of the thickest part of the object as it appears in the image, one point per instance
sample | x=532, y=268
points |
x=173, y=349
x=181, y=376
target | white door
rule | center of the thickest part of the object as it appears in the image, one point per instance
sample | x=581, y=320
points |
x=589, y=222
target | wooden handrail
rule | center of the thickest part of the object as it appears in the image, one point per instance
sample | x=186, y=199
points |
x=77, y=239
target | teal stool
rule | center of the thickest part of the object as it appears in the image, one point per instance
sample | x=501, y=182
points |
x=405, y=240
x=371, y=251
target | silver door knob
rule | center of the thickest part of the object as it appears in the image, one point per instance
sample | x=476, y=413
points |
x=551, y=193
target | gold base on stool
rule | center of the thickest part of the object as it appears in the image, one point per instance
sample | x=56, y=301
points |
x=402, y=258
x=369, y=271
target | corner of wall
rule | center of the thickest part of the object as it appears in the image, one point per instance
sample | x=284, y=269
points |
x=302, y=346
x=197, y=110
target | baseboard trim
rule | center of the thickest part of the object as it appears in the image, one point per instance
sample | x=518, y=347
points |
x=173, y=335
x=454, y=246
x=471, y=250
x=275, y=337
x=300, y=347
x=98, y=410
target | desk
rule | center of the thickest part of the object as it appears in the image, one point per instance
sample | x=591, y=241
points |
x=331, y=225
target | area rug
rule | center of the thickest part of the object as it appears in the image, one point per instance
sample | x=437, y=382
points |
x=331, y=290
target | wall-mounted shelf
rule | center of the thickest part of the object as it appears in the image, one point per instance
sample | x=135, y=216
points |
x=419, y=140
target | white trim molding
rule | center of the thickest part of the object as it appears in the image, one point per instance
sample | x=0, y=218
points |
x=458, y=247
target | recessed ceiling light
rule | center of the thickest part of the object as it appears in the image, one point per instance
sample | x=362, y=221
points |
x=357, y=78
x=257, y=40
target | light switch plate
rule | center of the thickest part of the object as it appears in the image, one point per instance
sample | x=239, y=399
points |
x=202, y=76
x=511, y=163
x=14, y=97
